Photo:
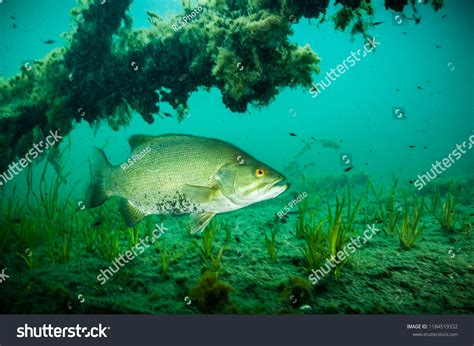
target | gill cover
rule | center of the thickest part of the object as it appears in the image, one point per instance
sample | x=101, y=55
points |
x=225, y=180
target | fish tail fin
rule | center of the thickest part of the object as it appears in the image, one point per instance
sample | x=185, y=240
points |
x=97, y=192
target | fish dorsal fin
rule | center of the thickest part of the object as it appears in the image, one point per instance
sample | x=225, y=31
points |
x=138, y=140
x=130, y=212
x=198, y=222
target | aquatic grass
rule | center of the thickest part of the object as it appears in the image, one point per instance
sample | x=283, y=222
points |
x=90, y=238
x=28, y=232
x=207, y=240
x=8, y=216
x=337, y=234
x=370, y=211
x=28, y=258
x=63, y=248
x=109, y=244
x=435, y=200
x=340, y=228
x=270, y=242
x=391, y=220
x=390, y=200
x=410, y=230
x=378, y=198
x=167, y=258
x=446, y=215
x=315, y=252
x=301, y=225
x=384, y=208
x=18, y=228
x=214, y=264
x=134, y=235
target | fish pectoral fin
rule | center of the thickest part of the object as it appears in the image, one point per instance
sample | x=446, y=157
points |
x=199, y=194
x=130, y=212
x=198, y=222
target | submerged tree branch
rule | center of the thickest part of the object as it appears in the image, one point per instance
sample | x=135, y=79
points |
x=108, y=69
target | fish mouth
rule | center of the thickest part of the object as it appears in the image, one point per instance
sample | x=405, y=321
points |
x=277, y=188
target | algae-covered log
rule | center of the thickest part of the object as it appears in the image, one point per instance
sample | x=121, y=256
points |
x=108, y=69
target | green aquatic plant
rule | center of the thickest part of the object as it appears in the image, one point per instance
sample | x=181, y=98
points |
x=109, y=244
x=378, y=198
x=63, y=248
x=89, y=236
x=339, y=229
x=337, y=234
x=391, y=220
x=214, y=262
x=28, y=258
x=60, y=243
x=207, y=240
x=410, y=230
x=315, y=252
x=270, y=242
x=301, y=225
x=446, y=215
x=435, y=200
x=167, y=257
x=134, y=235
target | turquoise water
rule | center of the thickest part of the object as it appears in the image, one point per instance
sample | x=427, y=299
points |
x=357, y=107
x=423, y=70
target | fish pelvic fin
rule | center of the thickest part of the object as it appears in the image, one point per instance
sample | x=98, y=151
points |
x=97, y=192
x=198, y=222
x=130, y=212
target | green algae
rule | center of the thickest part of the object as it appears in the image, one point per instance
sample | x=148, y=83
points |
x=212, y=295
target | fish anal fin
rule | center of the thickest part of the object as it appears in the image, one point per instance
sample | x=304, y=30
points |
x=130, y=212
x=198, y=222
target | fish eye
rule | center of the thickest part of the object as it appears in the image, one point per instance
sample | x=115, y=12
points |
x=259, y=172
